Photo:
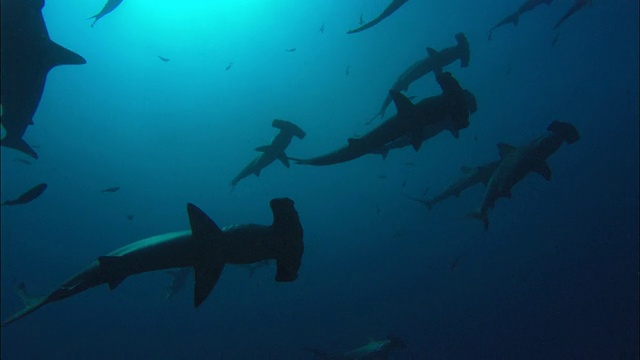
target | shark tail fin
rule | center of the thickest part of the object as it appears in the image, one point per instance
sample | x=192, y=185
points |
x=289, y=126
x=289, y=233
x=31, y=303
x=566, y=130
x=205, y=233
x=19, y=144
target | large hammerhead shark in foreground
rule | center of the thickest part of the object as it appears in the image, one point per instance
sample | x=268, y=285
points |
x=395, y=5
x=448, y=111
x=273, y=151
x=517, y=162
x=435, y=62
x=27, y=56
x=205, y=247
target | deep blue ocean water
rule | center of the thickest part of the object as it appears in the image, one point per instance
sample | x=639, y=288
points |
x=555, y=276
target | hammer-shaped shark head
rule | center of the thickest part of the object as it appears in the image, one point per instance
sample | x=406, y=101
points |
x=566, y=130
x=463, y=47
x=288, y=233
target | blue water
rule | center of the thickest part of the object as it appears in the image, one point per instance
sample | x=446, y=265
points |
x=555, y=277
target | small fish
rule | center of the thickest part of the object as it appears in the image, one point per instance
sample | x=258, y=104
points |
x=27, y=162
x=229, y=66
x=129, y=217
x=164, y=59
x=108, y=7
x=28, y=196
x=321, y=28
x=347, y=70
x=291, y=50
x=110, y=189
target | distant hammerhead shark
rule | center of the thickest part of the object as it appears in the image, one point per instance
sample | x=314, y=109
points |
x=450, y=111
x=273, y=151
x=435, y=61
x=28, y=196
x=395, y=5
x=107, y=8
x=205, y=247
x=470, y=177
x=517, y=162
x=380, y=349
x=27, y=56
x=577, y=5
x=515, y=17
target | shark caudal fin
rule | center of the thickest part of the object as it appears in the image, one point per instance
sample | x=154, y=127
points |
x=17, y=143
x=205, y=233
x=288, y=233
x=31, y=303
x=566, y=130
x=290, y=127
x=463, y=49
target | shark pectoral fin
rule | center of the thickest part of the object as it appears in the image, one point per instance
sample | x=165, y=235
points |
x=263, y=148
x=432, y=52
x=203, y=229
x=110, y=267
x=403, y=104
x=20, y=145
x=505, y=149
x=284, y=159
x=544, y=170
x=206, y=278
x=455, y=132
x=64, y=56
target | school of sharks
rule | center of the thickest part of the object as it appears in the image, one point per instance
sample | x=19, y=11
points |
x=29, y=53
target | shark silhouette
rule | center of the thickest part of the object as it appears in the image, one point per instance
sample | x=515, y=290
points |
x=449, y=111
x=107, y=8
x=205, y=247
x=435, y=61
x=27, y=56
x=517, y=162
x=395, y=5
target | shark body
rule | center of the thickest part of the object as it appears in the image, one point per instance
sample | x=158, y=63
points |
x=470, y=177
x=435, y=61
x=374, y=350
x=395, y=5
x=518, y=162
x=449, y=110
x=107, y=8
x=205, y=247
x=273, y=151
x=28, y=53
x=514, y=18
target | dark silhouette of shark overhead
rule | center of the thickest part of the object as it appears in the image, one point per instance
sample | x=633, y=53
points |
x=517, y=162
x=577, y=5
x=414, y=122
x=27, y=56
x=107, y=8
x=273, y=151
x=395, y=5
x=435, y=61
x=515, y=17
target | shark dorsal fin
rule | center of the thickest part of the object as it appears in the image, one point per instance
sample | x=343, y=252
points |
x=432, y=52
x=505, y=149
x=206, y=277
x=404, y=106
x=203, y=229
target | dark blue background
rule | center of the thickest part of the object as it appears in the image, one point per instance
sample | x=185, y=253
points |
x=555, y=277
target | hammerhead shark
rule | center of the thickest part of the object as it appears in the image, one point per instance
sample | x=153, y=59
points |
x=435, y=61
x=450, y=111
x=380, y=349
x=205, y=247
x=517, y=162
x=273, y=151
x=515, y=17
x=28, y=196
x=27, y=56
x=577, y=5
x=107, y=8
x=470, y=177
x=395, y=5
